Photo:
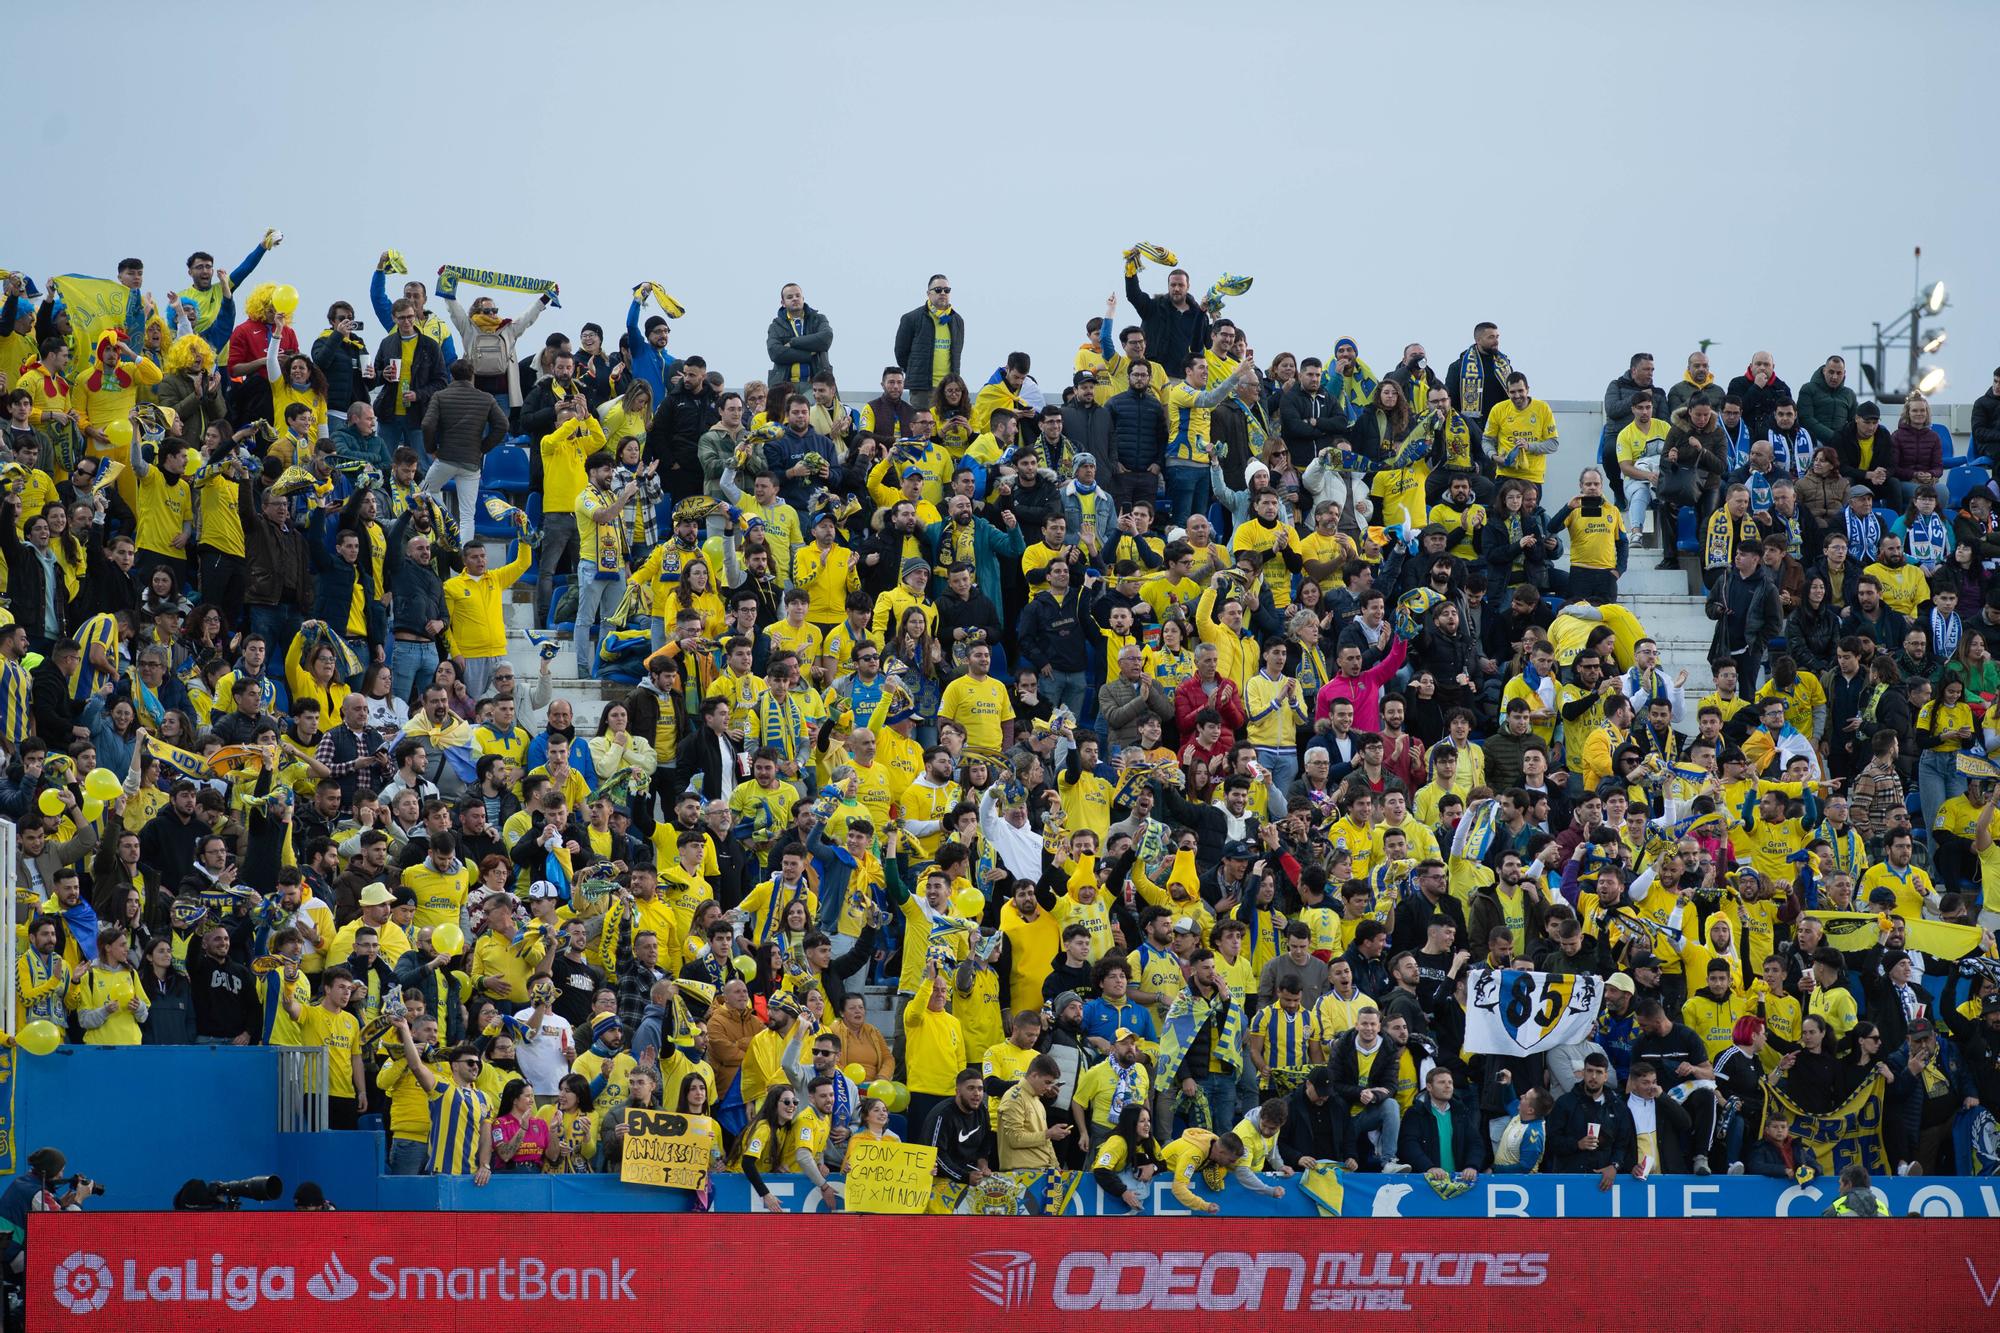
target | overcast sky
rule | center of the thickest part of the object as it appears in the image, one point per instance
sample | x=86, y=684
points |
x=1596, y=178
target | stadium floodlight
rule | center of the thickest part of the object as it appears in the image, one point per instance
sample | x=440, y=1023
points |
x=1907, y=332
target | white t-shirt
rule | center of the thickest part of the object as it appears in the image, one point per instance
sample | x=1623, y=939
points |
x=545, y=1059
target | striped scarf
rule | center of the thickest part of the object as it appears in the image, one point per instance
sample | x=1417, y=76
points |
x=1864, y=534
x=1472, y=380
x=1945, y=631
x=1924, y=539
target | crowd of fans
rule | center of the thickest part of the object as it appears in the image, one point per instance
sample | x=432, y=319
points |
x=1131, y=733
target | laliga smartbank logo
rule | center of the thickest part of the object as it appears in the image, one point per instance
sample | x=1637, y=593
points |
x=85, y=1283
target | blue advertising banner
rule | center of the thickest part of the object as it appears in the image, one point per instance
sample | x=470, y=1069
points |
x=1537, y=1196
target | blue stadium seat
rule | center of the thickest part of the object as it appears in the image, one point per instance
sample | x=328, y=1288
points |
x=484, y=524
x=1962, y=481
x=1943, y=432
x=505, y=470
x=1684, y=533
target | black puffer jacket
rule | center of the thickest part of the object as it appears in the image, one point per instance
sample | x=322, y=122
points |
x=340, y=358
x=674, y=438
x=1760, y=404
x=461, y=422
x=804, y=349
x=1138, y=430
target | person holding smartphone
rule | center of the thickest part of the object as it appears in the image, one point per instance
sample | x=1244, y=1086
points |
x=1594, y=528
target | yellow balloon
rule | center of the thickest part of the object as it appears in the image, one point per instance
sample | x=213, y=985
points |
x=39, y=1037
x=285, y=300
x=448, y=940
x=746, y=968
x=51, y=802
x=854, y=1072
x=101, y=784
x=899, y=1099
x=92, y=809
x=120, y=432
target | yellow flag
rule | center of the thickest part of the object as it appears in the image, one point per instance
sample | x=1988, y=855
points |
x=1850, y=932
x=97, y=304
x=1940, y=939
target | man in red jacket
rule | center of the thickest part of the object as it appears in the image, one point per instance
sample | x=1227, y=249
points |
x=1207, y=689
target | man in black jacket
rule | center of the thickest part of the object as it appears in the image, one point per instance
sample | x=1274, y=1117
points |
x=797, y=340
x=1137, y=427
x=1175, y=324
x=167, y=843
x=961, y=1131
x=703, y=755
x=226, y=1012
x=1423, y=1145
x=1369, y=1100
x=1675, y=1055
x=1573, y=1148
x=1986, y=422
x=918, y=334
x=1057, y=639
x=409, y=367
x=56, y=708
x=1316, y=1130
x=277, y=570
x=693, y=405
x=1744, y=606
x=1084, y=419
x=1308, y=416
x=538, y=413
x=417, y=615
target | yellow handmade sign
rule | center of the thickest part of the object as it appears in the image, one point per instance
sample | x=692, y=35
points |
x=662, y=1149
x=885, y=1177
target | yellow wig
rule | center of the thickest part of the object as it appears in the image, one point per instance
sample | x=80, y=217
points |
x=259, y=305
x=189, y=353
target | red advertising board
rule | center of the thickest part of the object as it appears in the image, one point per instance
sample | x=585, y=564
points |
x=498, y=1271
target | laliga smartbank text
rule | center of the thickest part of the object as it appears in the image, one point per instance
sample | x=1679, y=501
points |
x=85, y=1283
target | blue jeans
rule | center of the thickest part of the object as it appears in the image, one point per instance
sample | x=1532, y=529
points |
x=1188, y=491
x=277, y=626
x=1385, y=1116
x=1219, y=1091
x=596, y=599
x=1282, y=763
x=410, y=665
x=1937, y=781
x=1070, y=688
x=396, y=431
x=407, y=1157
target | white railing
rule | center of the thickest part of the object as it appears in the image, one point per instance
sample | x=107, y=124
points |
x=301, y=1089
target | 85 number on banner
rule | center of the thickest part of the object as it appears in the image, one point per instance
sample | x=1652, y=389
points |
x=1513, y=1011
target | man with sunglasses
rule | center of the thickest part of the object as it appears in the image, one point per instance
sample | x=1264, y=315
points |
x=930, y=341
x=461, y=1115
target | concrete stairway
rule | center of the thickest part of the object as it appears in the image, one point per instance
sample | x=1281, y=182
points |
x=1672, y=614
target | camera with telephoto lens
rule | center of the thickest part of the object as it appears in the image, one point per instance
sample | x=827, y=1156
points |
x=217, y=1195
x=76, y=1181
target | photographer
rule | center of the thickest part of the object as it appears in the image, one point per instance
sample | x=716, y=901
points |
x=1594, y=529
x=42, y=1188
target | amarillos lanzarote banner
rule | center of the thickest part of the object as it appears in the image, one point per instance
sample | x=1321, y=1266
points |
x=616, y=1271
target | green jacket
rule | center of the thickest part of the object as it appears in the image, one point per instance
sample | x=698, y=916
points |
x=1824, y=411
x=988, y=545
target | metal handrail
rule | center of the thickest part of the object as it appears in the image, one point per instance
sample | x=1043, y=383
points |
x=302, y=1089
